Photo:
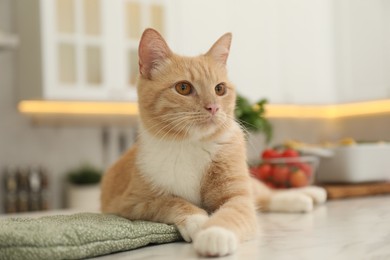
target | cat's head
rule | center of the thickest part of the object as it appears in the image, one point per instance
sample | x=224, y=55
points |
x=184, y=97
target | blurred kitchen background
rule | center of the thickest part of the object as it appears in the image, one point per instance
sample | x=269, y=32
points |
x=306, y=57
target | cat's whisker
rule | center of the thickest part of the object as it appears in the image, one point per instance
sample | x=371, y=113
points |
x=180, y=130
x=199, y=118
x=224, y=123
x=178, y=121
x=186, y=128
x=240, y=124
x=181, y=113
x=166, y=120
x=161, y=124
x=170, y=127
x=168, y=123
x=162, y=119
x=247, y=133
x=164, y=138
x=189, y=128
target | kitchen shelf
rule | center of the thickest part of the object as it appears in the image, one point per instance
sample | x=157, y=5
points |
x=80, y=113
x=332, y=111
x=8, y=41
x=46, y=108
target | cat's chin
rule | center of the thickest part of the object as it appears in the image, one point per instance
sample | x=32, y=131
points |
x=208, y=130
x=200, y=131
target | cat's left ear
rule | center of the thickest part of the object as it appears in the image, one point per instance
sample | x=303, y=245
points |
x=220, y=50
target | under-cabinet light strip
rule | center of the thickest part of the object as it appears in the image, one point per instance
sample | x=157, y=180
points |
x=329, y=111
x=273, y=110
x=77, y=108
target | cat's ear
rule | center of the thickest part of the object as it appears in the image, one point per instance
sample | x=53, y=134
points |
x=220, y=50
x=152, y=51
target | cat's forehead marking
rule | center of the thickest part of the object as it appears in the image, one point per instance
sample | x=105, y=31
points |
x=200, y=71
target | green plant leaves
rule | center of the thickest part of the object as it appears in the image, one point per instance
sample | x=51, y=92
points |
x=85, y=174
x=251, y=116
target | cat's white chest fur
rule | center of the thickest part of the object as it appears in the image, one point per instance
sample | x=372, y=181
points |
x=176, y=167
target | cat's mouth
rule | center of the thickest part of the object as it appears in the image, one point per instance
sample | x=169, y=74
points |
x=210, y=121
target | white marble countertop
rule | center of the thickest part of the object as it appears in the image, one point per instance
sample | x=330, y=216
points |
x=341, y=229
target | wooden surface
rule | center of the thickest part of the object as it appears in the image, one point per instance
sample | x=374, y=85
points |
x=338, y=191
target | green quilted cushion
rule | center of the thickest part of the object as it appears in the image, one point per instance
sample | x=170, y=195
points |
x=78, y=236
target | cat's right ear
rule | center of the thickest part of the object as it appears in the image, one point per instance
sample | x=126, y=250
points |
x=152, y=51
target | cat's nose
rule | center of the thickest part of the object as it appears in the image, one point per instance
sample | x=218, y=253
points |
x=212, y=108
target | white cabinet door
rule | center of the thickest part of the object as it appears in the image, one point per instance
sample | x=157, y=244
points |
x=133, y=17
x=283, y=51
x=84, y=49
x=74, y=49
x=362, y=43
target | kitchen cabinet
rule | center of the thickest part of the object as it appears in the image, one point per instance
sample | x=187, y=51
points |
x=83, y=49
x=285, y=52
x=362, y=49
x=333, y=51
x=8, y=41
x=299, y=52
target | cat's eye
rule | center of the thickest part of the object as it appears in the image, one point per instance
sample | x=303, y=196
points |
x=220, y=89
x=183, y=88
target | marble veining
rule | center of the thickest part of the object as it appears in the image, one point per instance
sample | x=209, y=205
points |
x=342, y=229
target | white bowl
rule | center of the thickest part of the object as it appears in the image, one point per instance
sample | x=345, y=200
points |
x=356, y=163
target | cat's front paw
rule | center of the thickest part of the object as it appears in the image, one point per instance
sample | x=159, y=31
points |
x=191, y=226
x=215, y=241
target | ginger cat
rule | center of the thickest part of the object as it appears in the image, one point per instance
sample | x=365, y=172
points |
x=188, y=166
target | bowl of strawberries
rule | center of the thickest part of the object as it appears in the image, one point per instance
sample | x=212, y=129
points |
x=285, y=168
